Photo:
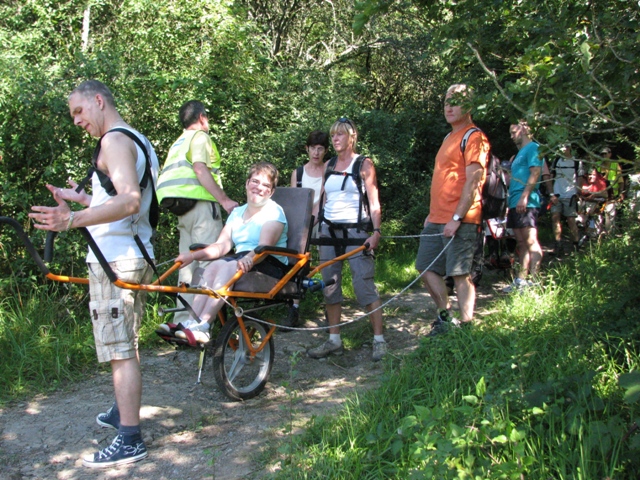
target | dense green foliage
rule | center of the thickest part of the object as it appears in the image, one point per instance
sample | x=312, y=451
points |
x=272, y=71
x=539, y=390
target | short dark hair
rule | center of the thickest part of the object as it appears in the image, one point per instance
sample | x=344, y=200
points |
x=90, y=88
x=318, y=137
x=268, y=169
x=190, y=112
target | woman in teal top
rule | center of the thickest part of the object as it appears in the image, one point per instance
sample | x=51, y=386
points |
x=260, y=222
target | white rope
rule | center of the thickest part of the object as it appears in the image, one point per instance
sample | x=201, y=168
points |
x=315, y=329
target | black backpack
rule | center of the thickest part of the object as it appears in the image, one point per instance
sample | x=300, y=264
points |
x=363, y=208
x=495, y=193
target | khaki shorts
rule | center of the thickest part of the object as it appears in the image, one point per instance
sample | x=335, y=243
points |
x=567, y=207
x=457, y=259
x=116, y=313
x=362, y=271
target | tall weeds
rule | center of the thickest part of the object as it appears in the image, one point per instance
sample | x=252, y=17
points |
x=533, y=392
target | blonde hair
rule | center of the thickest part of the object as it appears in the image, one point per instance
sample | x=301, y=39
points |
x=344, y=125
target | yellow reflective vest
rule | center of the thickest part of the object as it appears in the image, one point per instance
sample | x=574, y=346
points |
x=178, y=179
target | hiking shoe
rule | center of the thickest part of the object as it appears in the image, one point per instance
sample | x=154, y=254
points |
x=379, y=350
x=442, y=322
x=326, y=349
x=518, y=284
x=292, y=320
x=582, y=241
x=557, y=249
x=118, y=453
x=110, y=418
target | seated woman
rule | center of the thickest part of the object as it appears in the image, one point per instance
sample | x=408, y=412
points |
x=261, y=221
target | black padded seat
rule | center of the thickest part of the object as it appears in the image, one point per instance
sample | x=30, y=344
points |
x=297, y=204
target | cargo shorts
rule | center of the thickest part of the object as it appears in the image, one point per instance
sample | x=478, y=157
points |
x=116, y=313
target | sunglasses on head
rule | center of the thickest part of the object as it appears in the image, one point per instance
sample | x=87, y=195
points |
x=347, y=121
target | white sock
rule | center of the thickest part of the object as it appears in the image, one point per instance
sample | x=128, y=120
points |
x=378, y=338
x=335, y=338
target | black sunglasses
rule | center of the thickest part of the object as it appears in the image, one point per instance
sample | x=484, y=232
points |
x=348, y=122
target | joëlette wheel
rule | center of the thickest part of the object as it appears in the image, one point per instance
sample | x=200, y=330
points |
x=238, y=374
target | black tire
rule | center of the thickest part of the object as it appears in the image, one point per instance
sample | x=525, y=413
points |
x=237, y=375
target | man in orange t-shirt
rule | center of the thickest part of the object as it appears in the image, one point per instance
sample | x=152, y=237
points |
x=455, y=211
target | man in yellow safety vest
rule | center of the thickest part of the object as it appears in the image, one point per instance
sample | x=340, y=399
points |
x=190, y=187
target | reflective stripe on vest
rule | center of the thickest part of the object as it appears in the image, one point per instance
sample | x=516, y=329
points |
x=178, y=179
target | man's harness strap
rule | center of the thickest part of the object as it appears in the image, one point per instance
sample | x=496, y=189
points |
x=106, y=183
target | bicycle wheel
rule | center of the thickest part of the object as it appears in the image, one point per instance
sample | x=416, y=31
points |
x=238, y=375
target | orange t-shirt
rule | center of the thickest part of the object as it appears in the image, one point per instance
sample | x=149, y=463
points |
x=449, y=176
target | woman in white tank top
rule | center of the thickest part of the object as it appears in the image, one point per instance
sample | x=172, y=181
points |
x=342, y=204
x=309, y=176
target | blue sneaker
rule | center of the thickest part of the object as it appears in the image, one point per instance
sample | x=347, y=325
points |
x=118, y=453
x=110, y=418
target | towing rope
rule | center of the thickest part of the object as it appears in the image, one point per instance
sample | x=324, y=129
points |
x=239, y=312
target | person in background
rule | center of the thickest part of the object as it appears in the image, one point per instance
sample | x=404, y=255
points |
x=567, y=173
x=190, y=187
x=455, y=211
x=593, y=195
x=612, y=172
x=343, y=216
x=309, y=175
x=524, y=204
x=117, y=206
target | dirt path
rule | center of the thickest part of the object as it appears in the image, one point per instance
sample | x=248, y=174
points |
x=194, y=431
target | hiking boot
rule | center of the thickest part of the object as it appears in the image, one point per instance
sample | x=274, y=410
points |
x=518, y=284
x=292, y=320
x=557, y=249
x=118, y=453
x=379, y=350
x=442, y=322
x=326, y=349
x=110, y=418
x=583, y=240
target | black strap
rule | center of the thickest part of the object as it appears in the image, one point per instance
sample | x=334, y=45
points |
x=106, y=183
x=299, y=173
x=364, y=200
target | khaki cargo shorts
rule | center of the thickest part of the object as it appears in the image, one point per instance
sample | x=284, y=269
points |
x=116, y=313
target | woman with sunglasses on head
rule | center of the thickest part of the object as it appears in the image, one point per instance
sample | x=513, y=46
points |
x=261, y=221
x=349, y=180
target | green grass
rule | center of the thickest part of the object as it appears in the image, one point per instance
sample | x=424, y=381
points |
x=533, y=392
x=46, y=338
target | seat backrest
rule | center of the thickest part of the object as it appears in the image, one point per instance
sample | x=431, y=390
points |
x=297, y=204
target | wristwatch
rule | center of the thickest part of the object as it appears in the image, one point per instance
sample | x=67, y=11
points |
x=456, y=217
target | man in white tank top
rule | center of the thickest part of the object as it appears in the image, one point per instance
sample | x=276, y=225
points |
x=116, y=314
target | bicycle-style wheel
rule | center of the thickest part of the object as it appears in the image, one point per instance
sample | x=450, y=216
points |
x=238, y=374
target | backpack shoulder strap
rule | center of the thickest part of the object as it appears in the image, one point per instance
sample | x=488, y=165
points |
x=465, y=138
x=299, y=173
x=355, y=171
x=106, y=181
x=331, y=166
